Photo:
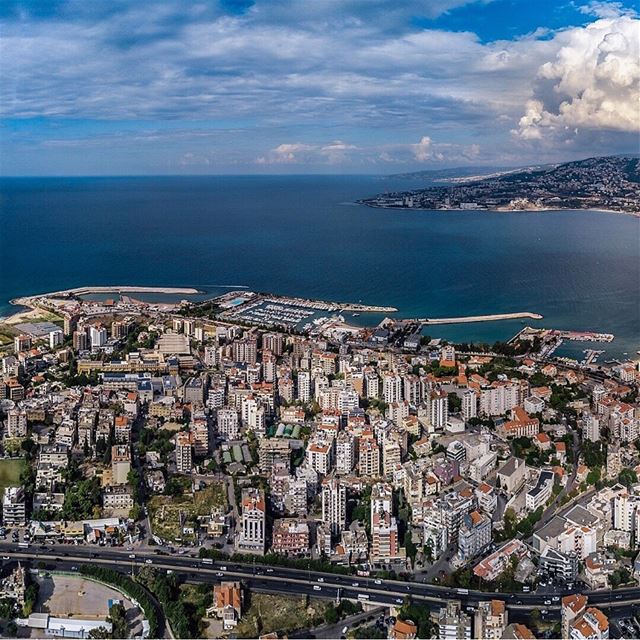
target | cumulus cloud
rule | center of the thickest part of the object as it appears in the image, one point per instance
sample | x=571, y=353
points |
x=592, y=83
x=363, y=79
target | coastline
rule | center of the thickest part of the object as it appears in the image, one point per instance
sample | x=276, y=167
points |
x=633, y=214
x=31, y=309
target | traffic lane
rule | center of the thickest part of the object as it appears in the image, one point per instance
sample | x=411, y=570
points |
x=110, y=555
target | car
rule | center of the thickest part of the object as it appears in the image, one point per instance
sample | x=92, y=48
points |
x=377, y=581
x=5, y=557
x=149, y=561
x=344, y=630
x=555, y=598
x=132, y=556
x=317, y=587
x=220, y=574
x=619, y=597
x=399, y=601
x=547, y=602
x=74, y=568
x=320, y=579
x=269, y=570
x=223, y=568
x=355, y=584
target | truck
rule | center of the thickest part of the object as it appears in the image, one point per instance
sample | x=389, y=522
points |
x=207, y=561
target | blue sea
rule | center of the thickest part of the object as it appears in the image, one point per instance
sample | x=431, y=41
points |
x=303, y=235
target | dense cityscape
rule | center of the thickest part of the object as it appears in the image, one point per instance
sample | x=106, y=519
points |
x=377, y=468
x=608, y=183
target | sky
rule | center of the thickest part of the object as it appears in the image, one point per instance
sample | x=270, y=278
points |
x=117, y=87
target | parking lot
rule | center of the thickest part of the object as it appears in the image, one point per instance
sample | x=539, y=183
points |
x=77, y=597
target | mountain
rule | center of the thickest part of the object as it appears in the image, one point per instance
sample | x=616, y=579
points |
x=609, y=182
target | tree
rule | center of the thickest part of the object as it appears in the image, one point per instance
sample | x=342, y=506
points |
x=331, y=614
x=628, y=477
x=118, y=619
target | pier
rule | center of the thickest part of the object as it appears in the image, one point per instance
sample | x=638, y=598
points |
x=81, y=291
x=484, y=318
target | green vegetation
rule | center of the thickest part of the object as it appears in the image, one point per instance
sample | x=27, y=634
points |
x=619, y=577
x=160, y=441
x=421, y=616
x=628, y=477
x=276, y=560
x=10, y=472
x=523, y=447
x=82, y=500
x=131, y=589
x=513, y=527
x=196, y=600
x=117, y=617
x=166, y=589
x=284, y=614
x=169, y=514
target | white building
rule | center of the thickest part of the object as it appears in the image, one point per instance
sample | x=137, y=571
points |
x=334, y=504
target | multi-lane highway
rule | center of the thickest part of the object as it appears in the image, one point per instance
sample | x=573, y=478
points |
x=286, y=580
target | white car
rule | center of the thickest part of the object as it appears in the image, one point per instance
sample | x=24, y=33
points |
x=149, y=561
x=317, y=587
x=377, y=581
x=320, y=579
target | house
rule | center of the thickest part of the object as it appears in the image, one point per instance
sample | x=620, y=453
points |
x=403, y=630
x=227, y=603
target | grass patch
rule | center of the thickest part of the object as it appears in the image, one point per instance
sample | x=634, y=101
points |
x=197, y=599
x=10, y=470
x=169, y=514
x=284, y=614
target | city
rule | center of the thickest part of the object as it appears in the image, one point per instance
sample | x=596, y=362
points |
x=454, y=488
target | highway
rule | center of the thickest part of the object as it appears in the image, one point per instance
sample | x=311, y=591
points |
x=285, y=580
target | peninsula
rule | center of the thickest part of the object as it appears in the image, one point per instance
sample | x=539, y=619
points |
x=606, y=183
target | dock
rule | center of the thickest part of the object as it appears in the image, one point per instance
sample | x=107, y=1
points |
x=492, y=317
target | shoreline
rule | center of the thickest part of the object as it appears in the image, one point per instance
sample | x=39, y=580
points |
x=633, y=214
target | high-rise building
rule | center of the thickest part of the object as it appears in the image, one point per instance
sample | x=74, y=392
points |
x=97, y=337
x=228, y=423
x=252, y=535
x=70, y=324
x=345, y=452
x=368, y=458
x=438, y=409
x=469, y=405
x=80, y=340
x=16, y=423
x=304, y=386
x=21, y=343
x=272, y=342
x=56, y=338
x=591, y=428
x=184, y=451
x=334, y=504
x=391, y=388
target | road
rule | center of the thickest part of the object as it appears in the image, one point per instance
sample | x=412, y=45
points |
x=286, y=580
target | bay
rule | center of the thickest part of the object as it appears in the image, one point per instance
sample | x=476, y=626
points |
x=303, y=235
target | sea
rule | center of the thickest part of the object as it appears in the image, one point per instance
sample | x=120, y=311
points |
x=307, y=236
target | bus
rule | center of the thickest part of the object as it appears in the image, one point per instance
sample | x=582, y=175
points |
x=363, y=596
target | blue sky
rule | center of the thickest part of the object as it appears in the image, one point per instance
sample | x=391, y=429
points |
x=327, y=86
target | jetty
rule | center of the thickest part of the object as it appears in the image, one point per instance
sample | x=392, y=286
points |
x=82, y=291
x=492, y=317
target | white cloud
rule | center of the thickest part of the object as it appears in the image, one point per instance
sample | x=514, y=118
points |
x=592, y=83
